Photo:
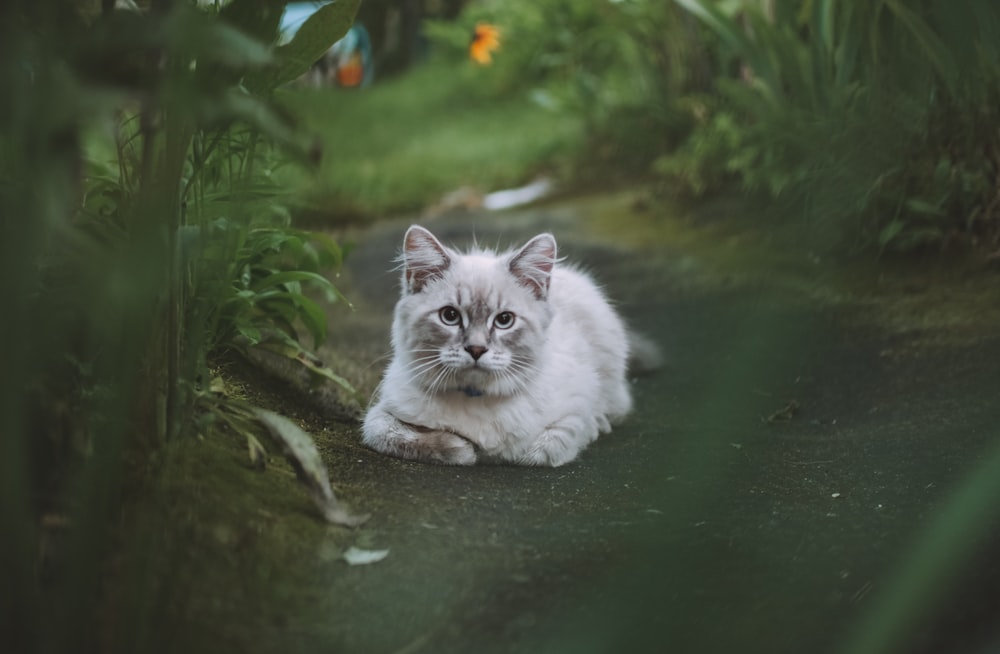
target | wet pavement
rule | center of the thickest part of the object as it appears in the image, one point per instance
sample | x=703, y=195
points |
x=776, y=474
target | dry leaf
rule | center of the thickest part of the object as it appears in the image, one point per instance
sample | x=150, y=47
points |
x=358, y=556
x=258, y=455
x=300, y=450
x=785, y=413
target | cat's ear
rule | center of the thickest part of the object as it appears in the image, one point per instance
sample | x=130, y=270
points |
x=424, y=259
x=532, y=265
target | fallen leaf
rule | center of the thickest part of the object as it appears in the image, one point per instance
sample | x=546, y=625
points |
x=300, y=450
x=258, y=455
x=358, y=556
x=308, y=360
x=785, y=413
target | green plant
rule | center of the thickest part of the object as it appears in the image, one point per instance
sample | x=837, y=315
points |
x=854, y=108
x=564, y=51
x=263, y=300
x=617, y=67
x=134, y=159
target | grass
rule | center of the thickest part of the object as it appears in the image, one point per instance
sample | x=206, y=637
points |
x=407, y=141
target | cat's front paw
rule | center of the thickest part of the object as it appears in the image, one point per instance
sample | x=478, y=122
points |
x=445, y=447
x=383, y=432
x=560, y=443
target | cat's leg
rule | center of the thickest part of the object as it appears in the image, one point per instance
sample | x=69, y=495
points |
x=385, y=433
x=561, y=442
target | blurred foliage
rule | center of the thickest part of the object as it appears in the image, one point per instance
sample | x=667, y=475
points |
x=615, y=66
x=569, y=53
x=878, y=110
x=141, y=228
x=875, y=119
x=406, y=143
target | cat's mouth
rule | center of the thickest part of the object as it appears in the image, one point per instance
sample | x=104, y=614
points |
x=474, y=376
x=477, y=368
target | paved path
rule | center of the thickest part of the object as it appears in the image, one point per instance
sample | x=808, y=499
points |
x=775, y=475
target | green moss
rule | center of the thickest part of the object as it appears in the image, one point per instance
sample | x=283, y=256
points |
x=731, y=241
x=224, y=549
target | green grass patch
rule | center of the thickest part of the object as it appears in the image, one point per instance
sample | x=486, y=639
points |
x=405, y=142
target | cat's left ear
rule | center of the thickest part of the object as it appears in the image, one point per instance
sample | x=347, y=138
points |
x=424, y=258
x=532, y=265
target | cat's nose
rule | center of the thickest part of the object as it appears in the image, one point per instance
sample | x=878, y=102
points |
x=476, y=351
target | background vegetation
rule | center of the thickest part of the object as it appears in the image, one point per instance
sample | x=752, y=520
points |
x=411, y=140
x=879, y=116
x=869, y=123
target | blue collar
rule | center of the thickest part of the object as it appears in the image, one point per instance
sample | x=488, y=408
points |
x=472, y=391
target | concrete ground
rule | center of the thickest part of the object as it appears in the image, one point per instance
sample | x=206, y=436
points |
x=779, y=487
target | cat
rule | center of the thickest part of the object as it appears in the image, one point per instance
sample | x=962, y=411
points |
x=506, y=357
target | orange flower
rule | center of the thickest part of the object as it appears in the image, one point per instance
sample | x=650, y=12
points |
x=485, y=40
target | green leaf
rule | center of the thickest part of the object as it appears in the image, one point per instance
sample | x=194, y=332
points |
x=267, y=239
x=890, y=231
x=237, y=105
x=307, y=310
x=277, y=304
x=286, y=276
x=718, y=21
x=280, y=316
x=933, y=47
x=331, y=252
x=313, y=317
x=824, y=21
x=846, y=54
x=923, y=207
x=320, y=31
x=251, y=333
x=209, y=40
x=294, y=351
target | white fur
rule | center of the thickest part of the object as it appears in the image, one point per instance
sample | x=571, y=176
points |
x=541, y=403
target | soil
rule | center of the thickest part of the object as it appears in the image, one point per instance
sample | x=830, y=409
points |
x=775, y=490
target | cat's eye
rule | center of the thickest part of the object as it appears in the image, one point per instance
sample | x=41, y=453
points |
x=504, y=320
x=450, y=316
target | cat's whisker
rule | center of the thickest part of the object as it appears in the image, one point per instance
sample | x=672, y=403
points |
x=440, y=379
x=522, y=368
x=379, y=359
x=420, y=366
x=418, y=371
x=423, y=362
x=507, y=380
x=523, y=361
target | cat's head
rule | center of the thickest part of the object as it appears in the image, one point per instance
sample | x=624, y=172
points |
x=473, y=322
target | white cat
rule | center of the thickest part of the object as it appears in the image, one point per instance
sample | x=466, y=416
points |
x=508, y=357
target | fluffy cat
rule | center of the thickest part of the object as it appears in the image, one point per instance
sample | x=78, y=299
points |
x=508, y=357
